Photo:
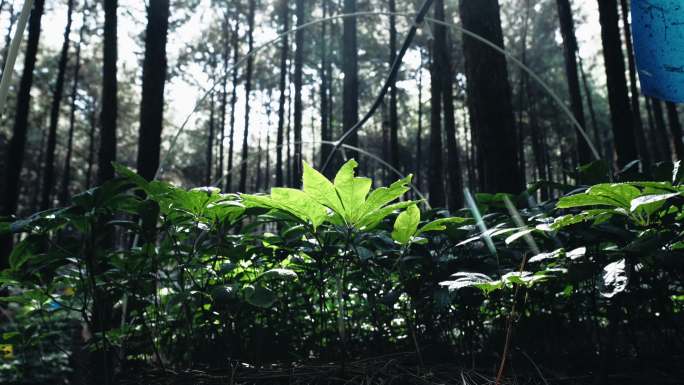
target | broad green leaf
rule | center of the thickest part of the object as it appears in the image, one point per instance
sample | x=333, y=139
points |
x=299, y=204
x=440, y=224
x=406, y=224
x=585, y=199
x=370, y=220
x=320, y=189
x=621, y=193
x=279, y=274
x=384, y=195
x=351, y=190
x=647, y=200
x=518, y=235
x=544, y=256
x=260, y=296
x=477, y=280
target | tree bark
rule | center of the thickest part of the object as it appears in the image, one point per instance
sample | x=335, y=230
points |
x=350, y=68
x=661, y=134
x=675, y=129
x=642, y=143
x=419, y=130
x=210, y=143
x=592, y=113
x=49, y=174
x=620, y=110
x=8, y=36
x=489, y=99
x=284, y=53
x=17, y=145
x=299, y=64
x=446, y=76
x=567, y=28
x=233, y=100
x=108, y=116
x=153, y=81
x=393, y=114
x=66, y=174
x=224, y=102
x=436, y=167
x=248, y=90
x=323, y=92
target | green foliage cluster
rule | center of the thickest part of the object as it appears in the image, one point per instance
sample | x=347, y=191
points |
x=173, y=277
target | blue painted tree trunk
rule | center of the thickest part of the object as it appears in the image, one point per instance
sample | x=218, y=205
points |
x=658, y=32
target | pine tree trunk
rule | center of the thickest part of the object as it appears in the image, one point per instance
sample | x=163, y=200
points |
x=350, y=68
x=210, y=143
x=66, y=175
x=662, y=135
x=108, y=117
x=592, y=113
x=675, y=129
x=419, y=129
x=435, y=165
x=233, y=101
x=17, y=145
x=642, y=143
x=91, y=147
x=393, y=114
x=325, y=121
x=446, y=76
x=620, y=110
x=224, y=102
x=299, y=64
x=153, y=81
x=489, y=99
x=285, y=19
x=248, y=90
x=567, y=28
x=49, y=174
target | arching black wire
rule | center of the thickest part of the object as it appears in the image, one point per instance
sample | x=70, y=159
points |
x=420, y=16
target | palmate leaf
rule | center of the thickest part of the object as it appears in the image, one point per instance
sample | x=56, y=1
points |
x=320, y=189
x=371, y=219
x=292, y=201
x=352, y=190
x=406, y=224
x=440, y=224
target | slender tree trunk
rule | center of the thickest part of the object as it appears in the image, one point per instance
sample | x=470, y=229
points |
x=620, y=110
x=233, y=101
x=446, y=78
x=489, y=99
x=393, y=114
x=248, y=90
x=299, y=64
x=66, y=175
x=210, y=143
x=592, y=112
x=567, y=28
x=284, y=53
x=224, y=100
x=108, y=117
x=325, y=121
x=153, y=81
x=17, y=145
x=91, y=146
x=642, y=143
x=419, y=130
x=436, y=167
x=675, y=129
x=257, y=182
x=49, y=174
x=35, y=194
x=350, y=68
x=662, y=135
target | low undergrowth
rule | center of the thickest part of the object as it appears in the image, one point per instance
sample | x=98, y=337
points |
x=139, y=275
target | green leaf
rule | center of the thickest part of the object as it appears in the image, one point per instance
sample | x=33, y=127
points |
x=320, y=189
x=406, y=224
x=384, y=195
x=649, y=200
x=260, y=296
x=477, y=280
x=544, y=256
x=614, y=278
x=283, y=274
x=520, y=234
x=370, y=220
x=351, y=190
x=440, y=224
x=585, y=199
